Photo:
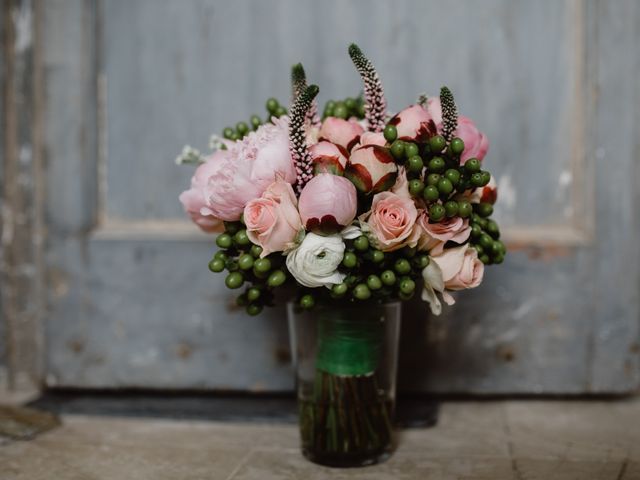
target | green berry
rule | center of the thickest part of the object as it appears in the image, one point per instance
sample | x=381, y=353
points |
x=472, y=166
x=415, y=164
x=451, y=208
x=484, y=209
x=341, y=111
x=361, y=292
x=476, y=179
x=339, y=289
x=361, y=110
x=498, y=259
x=307, y=302
x=377, y=256
x=402, y=266
x=407, y=286
x=484, y=258
x=486, y=177
x=245, y=262
x=253, y=294
x=437, y=143
x=411, y=150
x=216, y=265
x=234, y=280
x=503, y=249
x=241, y=238
x=409, y=252
x=485, y=241
x=496, y=249
x=390, y=133
x=350, y=260
x=276, y=278
x=406, y=296
x=478, y=249
x=416, y=187
x=421, y=261
x=464, y=208
x=374, y=282
x=361, y=243
x=242, y=128
x=453, y=176
x=255, y=121
x=397, y=149
x=231, y=227
x=430, y=193
x=281, y=111
x=476, y=230
x=254, y=309
x=221, y=255
x=444, y=186
x=350, y=103
x=330, y=104
x=272, y=106
x=436, y=212
x=234, y=137
x=433, y=179
x=228, y=133
x=262, y=265
x=436, y=165
x=388, y=277
x=456, y=146
x=256, y=250
x=493, y=229
x=224, y=240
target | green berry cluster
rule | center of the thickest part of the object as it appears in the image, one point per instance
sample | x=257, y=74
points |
x=371, y=275
x=485, y=235
x=347, y=108
x=241, y=259
x=274, y=109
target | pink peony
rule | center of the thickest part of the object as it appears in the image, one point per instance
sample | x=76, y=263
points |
x=328, y=203
x=345, y=133
x=328, y=158
x=413, y=123
x=194, y=200
x=244, y=171
x=460, y=267
x=371, y=167
x=272, y=220
x=392, y=221
x=436, y=235
x=476, y=144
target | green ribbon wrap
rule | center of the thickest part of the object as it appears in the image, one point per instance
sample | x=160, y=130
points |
x=349, y=343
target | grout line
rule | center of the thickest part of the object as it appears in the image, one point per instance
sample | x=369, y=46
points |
x=242, y=463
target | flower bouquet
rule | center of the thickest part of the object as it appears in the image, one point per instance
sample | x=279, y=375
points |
x=357, y=210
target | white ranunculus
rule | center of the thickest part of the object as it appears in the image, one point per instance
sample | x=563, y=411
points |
x=315, y=262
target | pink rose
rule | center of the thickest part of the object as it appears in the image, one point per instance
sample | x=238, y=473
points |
x=436, y=235
x=345, y=133
x=413, y=123
x=476, y=144
x=371, y=167
x=460, y=267
x=194, y=200
x=244, y=171
x=273, y=220
x=392, y=221
x=328, y=203
x=328, y=157
x=372, y=138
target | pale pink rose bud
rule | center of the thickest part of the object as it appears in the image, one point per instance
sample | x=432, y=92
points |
x=328, y=203
x=413, y=123
x=328, y=157
x=345, y=133
x=272, y=220
x=371, y=168
x=194, y=200
x=435, y=235
x=460, y=267
x=392, y=222
x=476, y=143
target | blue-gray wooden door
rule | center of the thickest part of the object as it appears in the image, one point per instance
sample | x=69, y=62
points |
x=553, y=83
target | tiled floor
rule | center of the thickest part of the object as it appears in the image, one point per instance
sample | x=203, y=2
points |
x=491, y=440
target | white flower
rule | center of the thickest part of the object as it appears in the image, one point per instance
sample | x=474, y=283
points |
x=433, y=282
x=314, y=263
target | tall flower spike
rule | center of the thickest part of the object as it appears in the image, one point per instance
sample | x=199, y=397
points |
x=375, y=103
x=297, y=136
x=298, y=85
x=449, y=113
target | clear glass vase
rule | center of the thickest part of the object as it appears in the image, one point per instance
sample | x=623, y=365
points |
x=345, y=359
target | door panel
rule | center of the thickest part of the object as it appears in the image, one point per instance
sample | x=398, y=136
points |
x=129, y=83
